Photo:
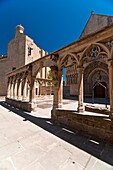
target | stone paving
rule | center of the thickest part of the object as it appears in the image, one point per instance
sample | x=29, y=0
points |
x=31, y=141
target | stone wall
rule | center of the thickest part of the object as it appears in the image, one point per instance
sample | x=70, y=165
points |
x=35, y=52
x=3, y=80
x=21, y=104
x=46, y=90
x=98, y=126
x=96, y=23
x=16, y=52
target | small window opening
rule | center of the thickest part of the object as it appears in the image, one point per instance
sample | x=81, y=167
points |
x=29, y=51
x=14, y=68
x=36, y=91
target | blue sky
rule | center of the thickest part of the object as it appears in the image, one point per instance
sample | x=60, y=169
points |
x=51, y=23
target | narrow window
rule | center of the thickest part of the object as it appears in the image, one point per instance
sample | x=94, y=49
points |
x=29, y=51
x=14, y=68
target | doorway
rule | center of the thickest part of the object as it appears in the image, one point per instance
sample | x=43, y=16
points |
x=99, y=90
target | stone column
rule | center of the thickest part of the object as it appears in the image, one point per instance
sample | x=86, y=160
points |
x=24, y=90
x=11, y=89
x=57, y=81
x=27, y=91
x=8, y=87
x=19, y=89
x=15, y=90
x=54, y=70
x=80, y=89
x=45, y=89
x=50, y=89
x=110, y=67
x=32, y=90
x=60, y=89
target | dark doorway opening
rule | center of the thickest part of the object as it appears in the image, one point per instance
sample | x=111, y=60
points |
x=99, y=90
x=36, y=91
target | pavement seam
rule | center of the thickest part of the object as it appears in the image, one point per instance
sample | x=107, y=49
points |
x=12, y=163
x=87, y=162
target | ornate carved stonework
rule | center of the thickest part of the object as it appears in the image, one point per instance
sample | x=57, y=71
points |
x=93, y=66
x=54, y=57
x=69, y=60
x=54, y=71
x=109, y=44
x=94, y=72
x=94, y=53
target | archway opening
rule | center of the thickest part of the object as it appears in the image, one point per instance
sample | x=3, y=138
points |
x=100, y=90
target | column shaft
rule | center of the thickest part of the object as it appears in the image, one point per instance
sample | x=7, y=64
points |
x=11, y=89
x=24, y=90
x=8, y=88
x=80, y=89
x=15, y=90
x=110, y=66
x=57, y=100
x=19, y=89
x=32, y=90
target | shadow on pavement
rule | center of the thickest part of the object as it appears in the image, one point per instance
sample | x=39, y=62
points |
x=100, y=149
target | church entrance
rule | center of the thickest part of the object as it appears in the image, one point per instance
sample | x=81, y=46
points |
x=100, y=90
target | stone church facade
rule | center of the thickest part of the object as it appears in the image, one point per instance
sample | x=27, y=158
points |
x=96, y=79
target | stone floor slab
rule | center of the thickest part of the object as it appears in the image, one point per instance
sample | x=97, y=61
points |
x=7, y=164
x=10, y=149
x=28, y=156
x=55, y=158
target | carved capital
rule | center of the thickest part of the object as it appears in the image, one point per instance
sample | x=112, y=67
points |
x=80, y=69
x=110, y=62
x=109, y=44
x=54, y=57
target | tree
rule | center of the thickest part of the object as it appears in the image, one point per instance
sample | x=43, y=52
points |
x=49, y=76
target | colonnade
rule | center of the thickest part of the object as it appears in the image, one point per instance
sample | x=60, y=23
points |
x=18, y=88
x=80, y=71
x=21, y=86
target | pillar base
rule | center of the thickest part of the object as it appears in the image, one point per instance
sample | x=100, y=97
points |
x=19, y=98
x=80, y=109
x=53, y=114
x=111, y=115
x=33, y=106
x=23, y=99
x=60, y=105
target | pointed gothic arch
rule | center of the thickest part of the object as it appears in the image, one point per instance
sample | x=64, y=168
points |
x=69, y=58
x=94, y=50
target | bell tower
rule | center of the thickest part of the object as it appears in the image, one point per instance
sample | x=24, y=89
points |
x=19, y=30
